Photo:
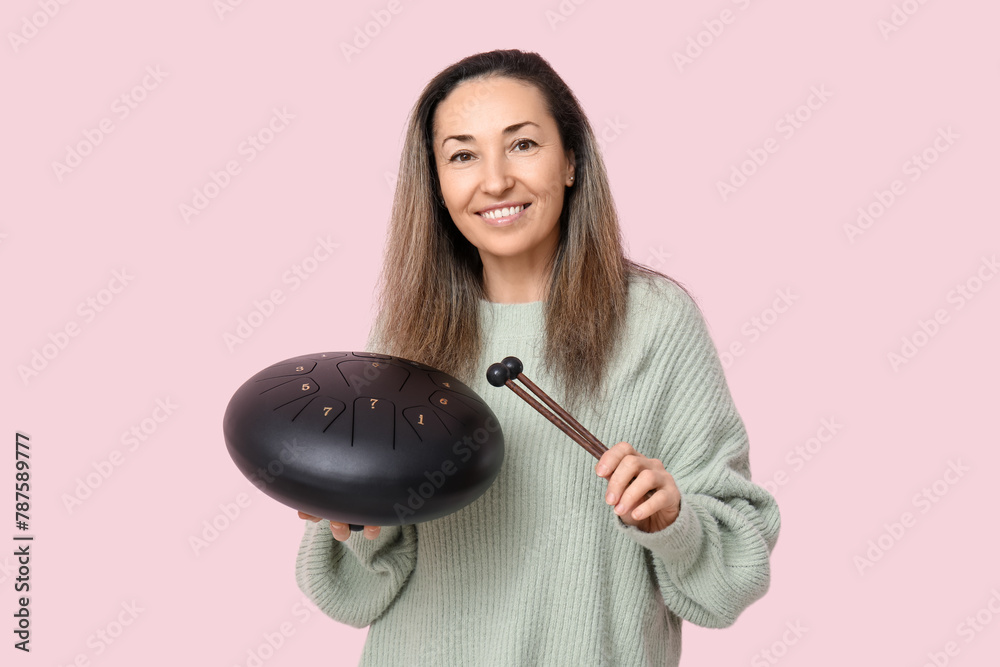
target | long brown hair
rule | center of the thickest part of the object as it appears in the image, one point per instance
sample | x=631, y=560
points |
x=432, y=277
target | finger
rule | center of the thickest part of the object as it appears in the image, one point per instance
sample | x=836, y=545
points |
x=371, y=532
x=647, y=480
x=659, y=500
x=308, y=517
x=641, y=508
x=340, y=531
x=623, y=475
x=610, y=459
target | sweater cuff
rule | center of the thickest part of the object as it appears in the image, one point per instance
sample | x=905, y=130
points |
x=365, y=550
x=325, y=546
x=678, y=543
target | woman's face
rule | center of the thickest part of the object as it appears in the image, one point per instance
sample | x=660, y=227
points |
x=495, y=144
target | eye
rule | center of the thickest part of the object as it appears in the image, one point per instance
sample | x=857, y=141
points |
x=454, y=158
x=529, y=142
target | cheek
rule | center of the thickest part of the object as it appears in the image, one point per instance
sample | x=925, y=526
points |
x=465, y=228
x=548, y=181
x=552, y=194
x=456, y=187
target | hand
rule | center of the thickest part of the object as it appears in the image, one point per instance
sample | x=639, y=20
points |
x=341, y=531
x=646, y=494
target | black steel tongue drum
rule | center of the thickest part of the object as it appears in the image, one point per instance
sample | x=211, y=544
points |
x=363, y=438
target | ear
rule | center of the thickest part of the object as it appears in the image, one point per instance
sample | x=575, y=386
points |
x=570, y=165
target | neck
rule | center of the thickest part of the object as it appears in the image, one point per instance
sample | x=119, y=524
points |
x=518, y=279
x=517, y=290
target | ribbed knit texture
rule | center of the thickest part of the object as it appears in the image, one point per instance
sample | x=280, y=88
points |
x=540, y=570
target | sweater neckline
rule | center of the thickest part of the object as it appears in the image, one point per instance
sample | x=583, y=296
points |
x=512, y=320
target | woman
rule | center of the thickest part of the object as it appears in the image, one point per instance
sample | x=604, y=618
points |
x=504, y=240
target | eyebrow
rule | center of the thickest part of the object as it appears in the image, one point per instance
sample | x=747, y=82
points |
x=507, y=130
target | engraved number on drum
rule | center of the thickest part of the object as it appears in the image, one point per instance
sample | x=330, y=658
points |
x=374, y=401
x=443, y=401
x=326, y=411
x=305, y=386
x=421, y=420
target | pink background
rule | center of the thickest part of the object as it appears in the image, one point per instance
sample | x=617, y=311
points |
x=671, y=134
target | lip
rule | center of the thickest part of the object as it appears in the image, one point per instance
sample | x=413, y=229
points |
x=499, y=222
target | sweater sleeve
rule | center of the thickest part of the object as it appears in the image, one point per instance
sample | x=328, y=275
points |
x=355, y=581
x=713, y=561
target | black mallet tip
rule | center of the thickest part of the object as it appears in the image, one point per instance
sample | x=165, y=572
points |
x=514, y=366
x=497, y=375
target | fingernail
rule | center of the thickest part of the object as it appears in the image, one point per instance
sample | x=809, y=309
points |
x=610, y=498
x=619, y=509
x=602, y=470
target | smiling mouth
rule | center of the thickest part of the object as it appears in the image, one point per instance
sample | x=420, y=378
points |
x=497, y=213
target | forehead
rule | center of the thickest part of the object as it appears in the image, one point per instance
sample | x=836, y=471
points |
x=486, y=106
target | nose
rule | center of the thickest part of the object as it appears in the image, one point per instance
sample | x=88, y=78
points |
x=497, y=177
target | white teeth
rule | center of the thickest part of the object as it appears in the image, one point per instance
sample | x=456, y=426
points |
x=502, y=212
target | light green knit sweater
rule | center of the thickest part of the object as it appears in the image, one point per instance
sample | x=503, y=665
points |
x=540, y=570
